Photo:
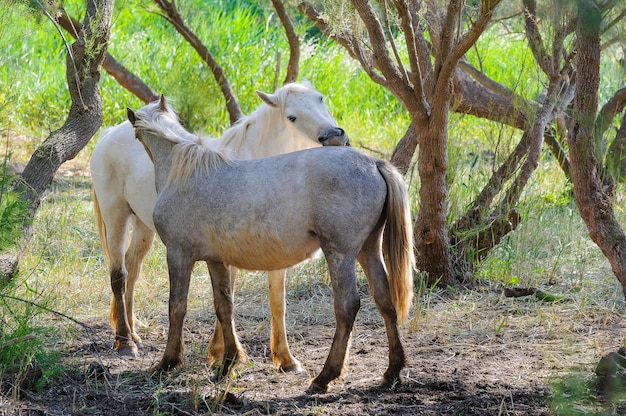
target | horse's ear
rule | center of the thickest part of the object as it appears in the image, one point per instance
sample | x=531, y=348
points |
x=131, y=116
x=307, y=83
x=162, y=103
x=269, y=99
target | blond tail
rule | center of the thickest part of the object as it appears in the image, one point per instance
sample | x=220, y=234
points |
x=398, y=241
x=102, y=231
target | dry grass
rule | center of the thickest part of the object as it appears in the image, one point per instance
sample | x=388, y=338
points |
x=475, y=349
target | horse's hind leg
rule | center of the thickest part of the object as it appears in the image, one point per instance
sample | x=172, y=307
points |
x=140, y=243
x=372, y=264
x=347, y=304
x=116, y=237
x=281, y=355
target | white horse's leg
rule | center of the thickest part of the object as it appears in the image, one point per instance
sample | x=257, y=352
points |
x=140, y=243
x=281, y=355
x=116, y=224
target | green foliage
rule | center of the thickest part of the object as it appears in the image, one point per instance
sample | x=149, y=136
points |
x=576, y=394
x=246, y=39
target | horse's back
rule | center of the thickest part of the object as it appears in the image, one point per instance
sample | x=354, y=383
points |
x=271, y=213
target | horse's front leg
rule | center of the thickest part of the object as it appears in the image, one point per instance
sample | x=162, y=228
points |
x=223, y=302
x=180, y=267
x=347, y=304
x=281, y=355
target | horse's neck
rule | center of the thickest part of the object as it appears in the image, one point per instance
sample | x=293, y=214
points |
x=161, y=153
x=261, y=135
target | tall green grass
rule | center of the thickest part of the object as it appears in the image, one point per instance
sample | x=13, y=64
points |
x=246, y=41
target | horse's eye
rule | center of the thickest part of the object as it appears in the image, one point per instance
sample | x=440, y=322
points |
x=321, y=98
x=291, y=118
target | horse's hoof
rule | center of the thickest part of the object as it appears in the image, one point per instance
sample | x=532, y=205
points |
x=129, y=351
x=291, y=368
x=139, y=344
x=391, y=382
x=217, y=378
x=316, y=389
x=165, y=365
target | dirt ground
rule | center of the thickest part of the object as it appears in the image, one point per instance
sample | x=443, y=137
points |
x=473, y=354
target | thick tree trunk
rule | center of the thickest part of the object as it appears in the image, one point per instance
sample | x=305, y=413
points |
x=593, y=197
x=431, y=231
x=83, y=121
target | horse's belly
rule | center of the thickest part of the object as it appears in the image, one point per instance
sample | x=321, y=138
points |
x=264, y=251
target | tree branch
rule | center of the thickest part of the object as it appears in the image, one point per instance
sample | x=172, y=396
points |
x=534, y=37
x=293, y=67
x=123, y=76
x=173, y=16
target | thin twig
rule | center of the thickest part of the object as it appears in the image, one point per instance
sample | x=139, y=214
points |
x=17, y=340
x=45, y=308
x=67, y=46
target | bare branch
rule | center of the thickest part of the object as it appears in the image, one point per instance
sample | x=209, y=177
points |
x=174, y=17
x=377, y=40
x=412, y=48
x=609, y=111
x=293, y=67
x=534, y=37
x=123, y=76
x=347, y=40
x=405, y=76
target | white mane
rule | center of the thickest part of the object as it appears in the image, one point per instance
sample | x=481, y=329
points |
x=188, y=154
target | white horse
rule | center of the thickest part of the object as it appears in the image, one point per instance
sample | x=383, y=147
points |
x=293, y=118
x=272, y=213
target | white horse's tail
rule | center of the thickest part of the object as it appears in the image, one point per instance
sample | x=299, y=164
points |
x=102, y=229
x=398, y=241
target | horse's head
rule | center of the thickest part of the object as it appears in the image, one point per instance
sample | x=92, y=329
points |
x=303, y=108
x=159, y=119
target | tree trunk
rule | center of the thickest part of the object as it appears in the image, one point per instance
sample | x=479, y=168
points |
x=593, y=197
x=431, y=232
x=123, y=76
x=83, y=69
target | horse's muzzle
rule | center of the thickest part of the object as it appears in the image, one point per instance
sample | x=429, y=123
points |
x=335, y=137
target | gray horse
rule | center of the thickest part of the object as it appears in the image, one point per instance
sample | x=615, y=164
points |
x=272, y=213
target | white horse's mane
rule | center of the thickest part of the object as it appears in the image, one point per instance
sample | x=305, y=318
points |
x=188, y=154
